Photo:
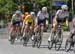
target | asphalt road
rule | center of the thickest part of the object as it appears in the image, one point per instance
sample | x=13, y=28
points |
x=18, y=48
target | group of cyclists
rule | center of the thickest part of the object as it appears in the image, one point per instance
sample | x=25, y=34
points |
x=29, y=18
x=42, y=18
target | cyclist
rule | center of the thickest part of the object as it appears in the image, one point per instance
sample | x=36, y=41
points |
x=29, y=20
x=26, y=13
x=34, y=18
x=42, y=16
x=71, y=39
x=16, y=19
x=61, y=15
x=72, y=33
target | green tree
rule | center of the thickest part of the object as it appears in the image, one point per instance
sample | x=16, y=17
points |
x=69, y=3
x=6, y=6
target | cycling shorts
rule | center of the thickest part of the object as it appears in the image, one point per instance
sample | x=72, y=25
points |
x=61, y=20
x=41, y=22
x=16, y=23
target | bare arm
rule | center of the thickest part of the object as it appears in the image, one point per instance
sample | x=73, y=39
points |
x=23, y=27
x=67, y=22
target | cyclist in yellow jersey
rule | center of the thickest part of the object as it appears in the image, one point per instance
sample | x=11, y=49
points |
x=29, y=20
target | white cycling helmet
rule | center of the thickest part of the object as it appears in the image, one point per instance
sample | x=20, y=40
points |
x=32, y=14
x=44, y=8
x=64, y=7
x=18, y=12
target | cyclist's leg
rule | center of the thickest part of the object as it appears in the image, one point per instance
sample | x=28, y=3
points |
x=53, y=27
x=19, y=31
x=20, y=28
x=54, y=24
x=30, y=28
x=71, y=33
x=44, y=25
x=35, y=29
x=26, y=26
x=52, y=30
x=33, y=33
x=37, y=26
x=11, y=30
x=23, y=27
x=70, y=38
x=17, y=28
x=41, y=27
x=40, y=22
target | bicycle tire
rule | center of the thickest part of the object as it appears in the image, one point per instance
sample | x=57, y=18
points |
x=58, y=42
x=67, y=46
x=13, y=36
x=25, y=39
x=50, y=43
x=34, y=41
x=39, y=43
x=39, y=38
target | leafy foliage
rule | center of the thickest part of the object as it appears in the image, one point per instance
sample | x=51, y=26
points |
x=69, y=3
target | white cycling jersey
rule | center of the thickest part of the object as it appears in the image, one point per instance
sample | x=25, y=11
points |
x=61, y=14
x=17, y=18
x=42, y=16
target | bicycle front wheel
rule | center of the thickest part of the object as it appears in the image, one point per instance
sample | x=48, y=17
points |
x=58, y=43
x=39, y=40
x=25, y=39
x=50, y=42
x=67, y=46
x=34, y=41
